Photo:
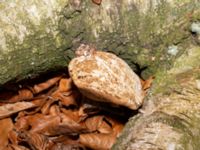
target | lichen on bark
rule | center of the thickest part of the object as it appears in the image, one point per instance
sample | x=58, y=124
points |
x=35, y=39
x=30, y=39
x=170, y=116
x=36, y=36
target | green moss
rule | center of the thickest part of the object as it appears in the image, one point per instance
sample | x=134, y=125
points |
x=33, y=57
x=165, y=78
x=136, y=35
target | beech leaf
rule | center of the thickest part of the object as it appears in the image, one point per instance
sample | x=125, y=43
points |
x=9, y=109
x=35, y=141
x=97, y=140
x=65, y=84
x=45, y=85
x=23, y=94
x=97, y=123
x=6, y=127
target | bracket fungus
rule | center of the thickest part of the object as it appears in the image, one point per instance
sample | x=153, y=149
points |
x=102, y=76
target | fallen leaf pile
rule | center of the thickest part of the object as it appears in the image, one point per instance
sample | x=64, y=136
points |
x=53, y=115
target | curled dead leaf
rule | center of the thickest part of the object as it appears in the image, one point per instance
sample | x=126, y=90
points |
x=71, y=99
x=23, y=94
x=73, y=114
x=6, y=127
x=54, y=110
x=66, y=98
x=45, y=108
x=87, y=110
x=35, y=141
x=98, y=123
x=9, y=109
x=45, y=85
x=98, y=141
x=65, y=84
x=147, y=83
x=63, y=146
x=16, y=147
x=44, y=124
x=12, y=136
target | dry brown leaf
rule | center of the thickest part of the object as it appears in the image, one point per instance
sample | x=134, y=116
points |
x=66, y=139
x=104, y=127
x=6, y=127
x=43, y=123
x=65, y=85
x=37, y=123
x=23, y=94
x=64, y=142
x=63, y=146
x=98, y=123
x=22, y=123
x=50, y=125
x=45, y=85
x=47, y=105
x=9, y=109
x=35, y=141
x=16, y=147
x=68, y=126
x=116, y=125
x=87, y=110
x=74, y=114
x=54, y=110
x=8, y=148
x=12, y=136
x=40, y=101
x=147, y=83
x=117, y=129
x=98, y=141
x=71, y=99
x=5, y=95
x=66, y=98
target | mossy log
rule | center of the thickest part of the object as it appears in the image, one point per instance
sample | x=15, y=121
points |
x=37, y=36
x=170, y=117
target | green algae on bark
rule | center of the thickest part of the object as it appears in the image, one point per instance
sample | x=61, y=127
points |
x=170, y=116
x=30, y=41
x=140, y=31
x=35, y=39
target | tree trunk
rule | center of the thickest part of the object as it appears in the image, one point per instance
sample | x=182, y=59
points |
x=40, y=35
x=37, y=36
x=170, y=117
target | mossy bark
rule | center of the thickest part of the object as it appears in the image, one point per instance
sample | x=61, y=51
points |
x=40, y=35
x=36, y=36
x=169, y=119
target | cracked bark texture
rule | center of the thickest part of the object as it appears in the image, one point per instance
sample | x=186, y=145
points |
x=40, y=35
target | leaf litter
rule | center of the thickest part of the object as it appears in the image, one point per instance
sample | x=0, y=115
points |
x=54, y=115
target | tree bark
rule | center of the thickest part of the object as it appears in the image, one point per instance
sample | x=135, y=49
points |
x=40, y=35
x=36, y=36
x=170, y=117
